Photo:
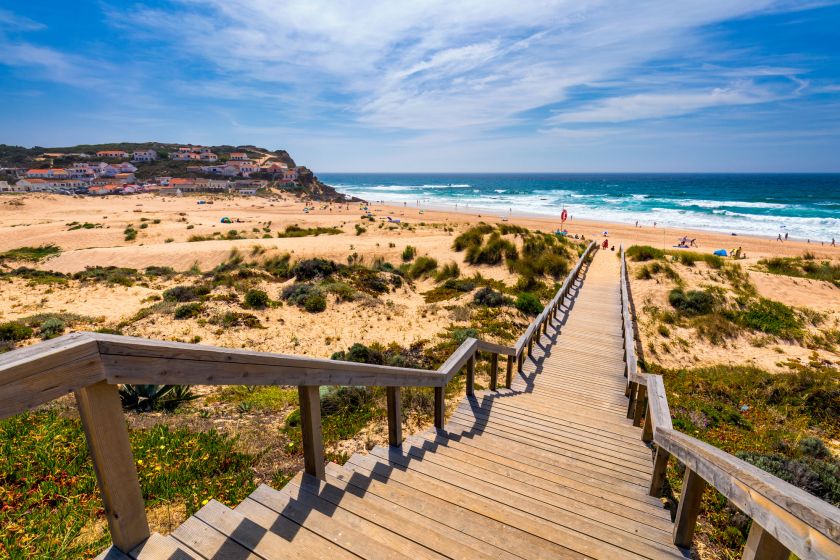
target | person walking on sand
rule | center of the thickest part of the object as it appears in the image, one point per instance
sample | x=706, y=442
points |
x=779, y=238
x=833, y=244
x=786, y=236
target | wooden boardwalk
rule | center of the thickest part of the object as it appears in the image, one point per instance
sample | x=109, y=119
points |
x=551, y=468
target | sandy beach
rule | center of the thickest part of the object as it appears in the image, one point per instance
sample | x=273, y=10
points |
x=165, y=225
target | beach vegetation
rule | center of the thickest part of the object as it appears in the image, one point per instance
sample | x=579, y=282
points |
x=256, y=299
x=776, y=421
x=230, y=319
x=693, y=302
x=801, y=267
x=641, y=253
x=160, y=271
x=772, y=317
x=188, y=310
x=129, y=233
x=36, y=277
x=651, y=270
x=295, y=230
x=422, y=267
x=279, y=266
x=30, y=254
x=448, y=271
x=50, y=490
x=360, y=229
x=186, y=293
x=15, y=331
x=108, y=275
x=689, y=258
x=73, y=226
x=489, y=297
x=528, y=303
x=409, y=253
x=309, y=269
x=145, y=398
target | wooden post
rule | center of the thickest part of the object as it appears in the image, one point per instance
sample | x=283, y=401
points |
x=660, y=469
x=440, y=407
x=494, y=371
x=647, y=431
x=310, y=427
x=761, y=545
x=471, y=375
x=531, y=345
x=631, y=404
x=107, y=439
x=394, y=415
x=686, y=520
x=509, y=372
x=641, y=404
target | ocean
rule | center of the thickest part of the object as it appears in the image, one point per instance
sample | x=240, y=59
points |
x=806, y=206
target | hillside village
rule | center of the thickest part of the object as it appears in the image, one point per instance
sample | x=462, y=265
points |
x=162, y=169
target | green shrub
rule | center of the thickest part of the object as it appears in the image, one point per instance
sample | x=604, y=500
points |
x=315, y=303
x=31, y=254
x=492, y=252
x=528, y=303
x=14, y=331
x=256, y=299
x=640, y=253
x=459, y=336
x=817, y=477
x=409, y=253
x=360, y=230
x=188, y=310
x=186, y=293
x=772, y=317
x=489, y=297
x=130, y=233
x=361, y=354
x=422, y=266
x=693, y=302
x=108, y=274
x=161, y=271
x=309, y=269
x=52, y=328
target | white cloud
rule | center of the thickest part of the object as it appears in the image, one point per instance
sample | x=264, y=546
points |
x=440, y=64
x=657, y=105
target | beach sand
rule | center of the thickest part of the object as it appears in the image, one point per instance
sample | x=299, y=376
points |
x=402, y=317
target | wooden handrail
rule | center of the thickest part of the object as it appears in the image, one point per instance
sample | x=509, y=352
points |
x=90, y=365
x=785, y=518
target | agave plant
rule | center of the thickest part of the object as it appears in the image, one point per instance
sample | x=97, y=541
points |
x=144, y=398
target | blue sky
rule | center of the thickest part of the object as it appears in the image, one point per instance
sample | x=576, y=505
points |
x=473, y=85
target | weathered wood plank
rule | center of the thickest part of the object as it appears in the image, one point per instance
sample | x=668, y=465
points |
x=686, y=521
x=394, y=401
x=107, y=438
x=310, y=427
x=761, y=545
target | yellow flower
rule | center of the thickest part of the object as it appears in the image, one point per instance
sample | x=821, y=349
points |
x=140, y=462
x=204, y=503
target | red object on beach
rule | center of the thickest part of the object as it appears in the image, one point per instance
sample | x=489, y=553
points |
x=564, y=215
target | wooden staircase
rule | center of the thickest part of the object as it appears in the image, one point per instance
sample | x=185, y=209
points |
x=550, y=468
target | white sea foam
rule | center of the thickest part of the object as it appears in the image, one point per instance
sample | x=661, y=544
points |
x=716, y=215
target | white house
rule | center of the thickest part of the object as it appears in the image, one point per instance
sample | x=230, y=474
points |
x=208, y=156
x=238, y=156
x=144, y=155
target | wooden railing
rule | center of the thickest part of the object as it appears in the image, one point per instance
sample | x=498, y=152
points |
x=92, y=365
x=785, y=518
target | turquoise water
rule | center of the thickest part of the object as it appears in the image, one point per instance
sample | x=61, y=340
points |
x=806, y=206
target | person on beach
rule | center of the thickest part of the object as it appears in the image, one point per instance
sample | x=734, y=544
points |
x=605, y=244
x=779, y=238
x=786, y=235
x=833, y=244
